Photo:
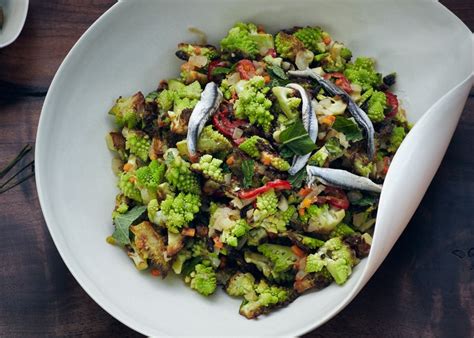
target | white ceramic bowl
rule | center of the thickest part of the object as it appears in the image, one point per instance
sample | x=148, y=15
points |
x=131, y=48
x=14, y=12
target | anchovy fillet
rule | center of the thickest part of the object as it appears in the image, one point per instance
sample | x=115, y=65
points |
x=310, y=123
x=211, y=98
x=359, y=115
x=341, y=179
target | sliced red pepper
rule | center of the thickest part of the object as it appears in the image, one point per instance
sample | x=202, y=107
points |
x=276, y=184
x=392, y=101
x=227, y=127
x=341, y=81
x=336, y=197
x=213, y=65
x=246, y=69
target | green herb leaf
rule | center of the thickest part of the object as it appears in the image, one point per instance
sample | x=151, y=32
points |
x=278, y=72
x=333, y=146
x=296, y=138
x=248, y=171
x=221, y=70
x=123, y=222
x=297, y=179
x=286, y=152
x=365, y=201
x=349, y=128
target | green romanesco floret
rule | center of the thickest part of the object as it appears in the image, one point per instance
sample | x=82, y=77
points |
x=342, y=230
x=188, y=50
x=278, y=222
x=202, y=279
x=267, y=204
x=127, y=110
x=252, y=146
x=180, y=210
x=287, y=102
x=227, y=89
x=331, y=151
x=149, y=177
x=137, y=142
x=211, y=141
x=336, y=256
x=244, y=39
x=266, y=267
x=200, y=250
x=377, y=105
x=364, y=97
x=127, y=186
x=231, y=235
x=267, y=297
x=249, y=146
x=253, y=104
x=210, y=167
x=153, y=209
x=335, y=60
x=179, y=174
x=241, y=285
x=165, y=100
x=362, y=72
x=259, y=297
x=322, y=219
x=363, y=166
x=312, y=38
x=281, y=256
x=287, y=46
x=396, y=138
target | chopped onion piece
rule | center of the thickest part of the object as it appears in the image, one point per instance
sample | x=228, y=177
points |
x=283, y=203
x=233, y=78
x=304, y=59
x=198, y=60
x=237, y=133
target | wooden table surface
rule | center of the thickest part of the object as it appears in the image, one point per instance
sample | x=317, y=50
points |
x=424, y=288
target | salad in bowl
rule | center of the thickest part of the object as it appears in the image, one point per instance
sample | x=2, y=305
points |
x=258, y=168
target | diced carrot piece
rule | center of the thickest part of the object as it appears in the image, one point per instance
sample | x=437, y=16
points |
x=327, y=40
x=304, y=191
x=267, y=78
x=127, y=166
x=217, y=242
x=301, y=211
x=190, y=232
x=297, y=251
x=328, y=120
x=230, y=160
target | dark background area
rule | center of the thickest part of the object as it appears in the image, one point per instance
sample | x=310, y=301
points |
x=425, y=287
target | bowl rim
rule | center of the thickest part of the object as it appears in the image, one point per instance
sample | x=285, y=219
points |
x=71, y=262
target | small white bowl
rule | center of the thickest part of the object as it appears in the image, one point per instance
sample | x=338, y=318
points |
x=14, y=16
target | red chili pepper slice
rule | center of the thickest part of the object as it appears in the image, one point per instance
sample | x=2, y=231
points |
x=392, y=101
x=336, y=197
x=213, y=65
x=276, y=184
x=227, y=127
x=246, y=69
x=341, y=81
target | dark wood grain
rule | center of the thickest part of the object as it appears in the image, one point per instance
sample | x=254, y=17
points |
x=425, y=288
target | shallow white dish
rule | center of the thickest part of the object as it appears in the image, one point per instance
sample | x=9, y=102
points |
x=131, y=48
x=14, y=13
